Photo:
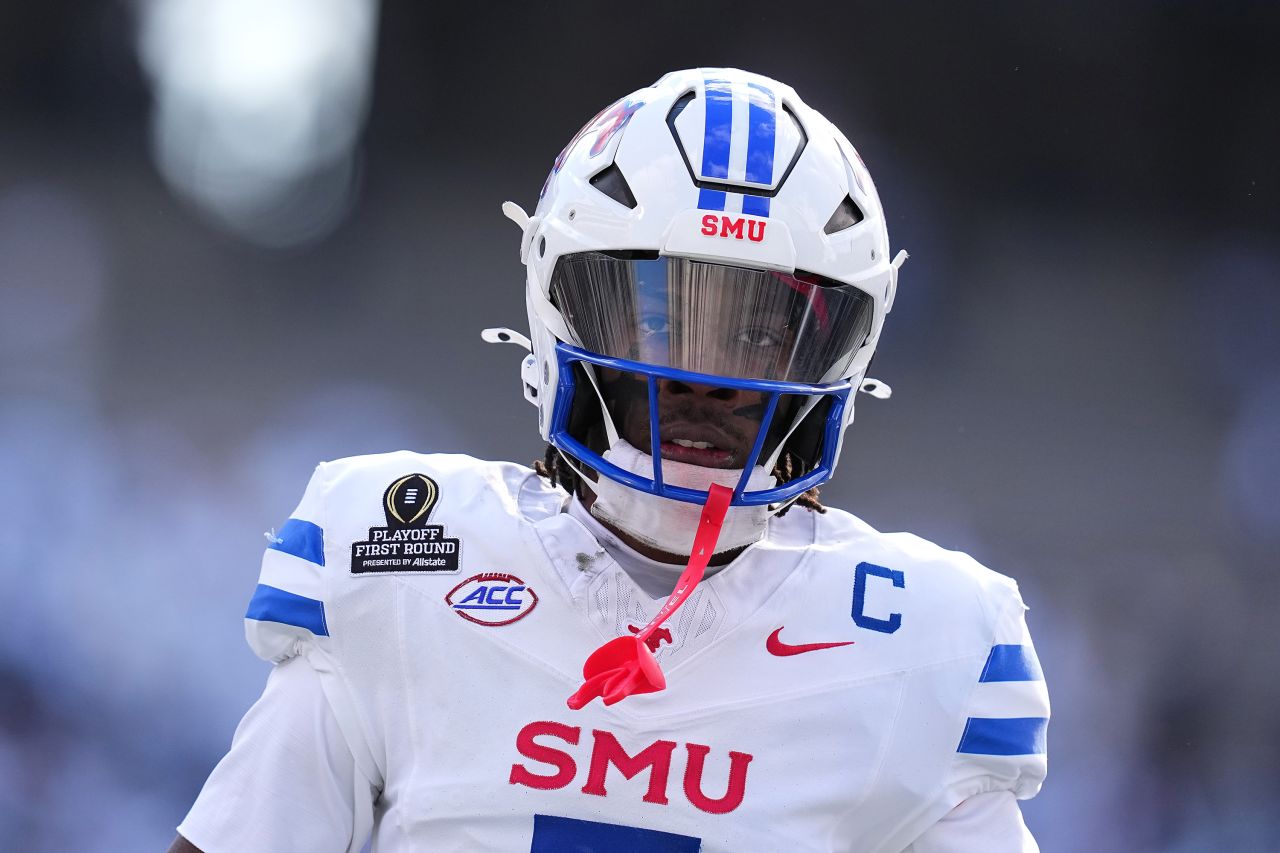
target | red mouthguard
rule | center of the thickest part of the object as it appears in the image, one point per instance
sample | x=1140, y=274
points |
x=625, y=666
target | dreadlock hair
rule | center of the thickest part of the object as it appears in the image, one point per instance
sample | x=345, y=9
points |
x=558, y=472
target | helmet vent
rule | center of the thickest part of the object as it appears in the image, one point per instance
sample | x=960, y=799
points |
x=611, y=182
x=847, y=215
x=678, y=107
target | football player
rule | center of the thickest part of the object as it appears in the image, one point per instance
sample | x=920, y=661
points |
x=658, y=639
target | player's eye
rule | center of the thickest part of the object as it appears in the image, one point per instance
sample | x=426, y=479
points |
x=758, y=336
x=653, y=324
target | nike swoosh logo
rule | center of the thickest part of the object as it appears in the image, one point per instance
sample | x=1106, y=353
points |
x=780, y=649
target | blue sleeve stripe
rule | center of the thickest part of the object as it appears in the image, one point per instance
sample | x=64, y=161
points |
x=277, y=605
x=1005, y=736
x=1012, y=663
x=301, y=539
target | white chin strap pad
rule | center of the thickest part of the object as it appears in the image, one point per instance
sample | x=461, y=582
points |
x=667, y=524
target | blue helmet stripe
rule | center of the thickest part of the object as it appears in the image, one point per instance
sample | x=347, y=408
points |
x=717, y=142
x=755, y=205
x=763, y=122
x=711, y=199
x=718, y=132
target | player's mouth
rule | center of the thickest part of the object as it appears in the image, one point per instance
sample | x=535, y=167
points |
x=702, y=447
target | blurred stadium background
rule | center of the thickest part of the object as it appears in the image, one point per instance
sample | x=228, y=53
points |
x=241, y=236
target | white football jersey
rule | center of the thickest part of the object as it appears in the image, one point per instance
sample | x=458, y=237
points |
x=832, y=689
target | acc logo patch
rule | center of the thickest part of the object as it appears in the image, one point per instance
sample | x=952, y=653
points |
x=492, y=598
x=407, y=543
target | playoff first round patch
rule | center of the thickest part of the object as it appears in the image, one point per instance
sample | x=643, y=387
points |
x=407, y=543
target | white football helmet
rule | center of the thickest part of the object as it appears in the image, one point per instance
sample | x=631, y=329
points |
x=712, y=229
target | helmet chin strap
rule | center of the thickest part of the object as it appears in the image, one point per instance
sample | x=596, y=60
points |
x=805, y=409
x=610, y=429
x=625, y=666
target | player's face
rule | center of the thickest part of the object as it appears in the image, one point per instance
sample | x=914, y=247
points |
x=697, y=424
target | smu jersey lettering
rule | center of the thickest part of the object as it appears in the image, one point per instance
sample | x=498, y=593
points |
x=835, y=688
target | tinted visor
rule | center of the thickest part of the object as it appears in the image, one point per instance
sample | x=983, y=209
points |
x=712, y=318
